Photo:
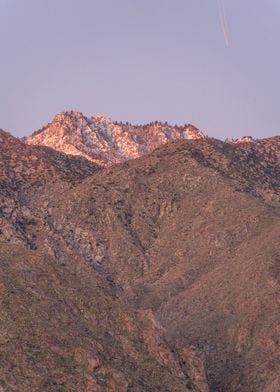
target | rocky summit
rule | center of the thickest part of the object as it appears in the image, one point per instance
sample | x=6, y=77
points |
x=101, y=140
x=119, y=274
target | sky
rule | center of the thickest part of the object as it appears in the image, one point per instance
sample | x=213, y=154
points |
x=142, y=60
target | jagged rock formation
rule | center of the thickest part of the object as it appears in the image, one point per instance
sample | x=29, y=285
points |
x=244, y=139
x=101, y=140
x=156, y=274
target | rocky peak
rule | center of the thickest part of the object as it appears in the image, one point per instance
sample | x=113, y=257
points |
x=193, y=133
x=99, y=118
x=104, y=141
x=243, y=139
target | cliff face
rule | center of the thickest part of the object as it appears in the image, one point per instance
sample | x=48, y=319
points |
x=101, y=140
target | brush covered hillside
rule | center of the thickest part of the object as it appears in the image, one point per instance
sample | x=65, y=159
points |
x=63, y=325
x=160, y=273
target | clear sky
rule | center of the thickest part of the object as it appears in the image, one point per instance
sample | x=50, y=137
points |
x=142, y=60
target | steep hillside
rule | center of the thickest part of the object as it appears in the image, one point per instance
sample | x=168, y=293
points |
x=63, y=326
x=64, y=329
x=254, y=165
x=135, y=276
x=25, y=171
x=192, y=243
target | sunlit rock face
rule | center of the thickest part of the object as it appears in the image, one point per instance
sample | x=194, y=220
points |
x=101, y=140
x=243, y=139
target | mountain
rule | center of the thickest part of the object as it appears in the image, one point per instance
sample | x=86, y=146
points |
x=159, y=273
x=101, y=140
x=63, y=325
x=193, y=244
x=253, y=163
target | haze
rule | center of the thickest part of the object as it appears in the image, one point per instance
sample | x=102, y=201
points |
x=140, y=61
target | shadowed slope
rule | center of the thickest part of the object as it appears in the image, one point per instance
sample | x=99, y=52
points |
x=187, y=236
x=63, y=326
x=63, y=329
x=191, y=242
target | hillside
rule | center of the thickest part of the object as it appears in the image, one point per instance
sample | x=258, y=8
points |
x=63, y=325
x=188, y=242
x=159, y=273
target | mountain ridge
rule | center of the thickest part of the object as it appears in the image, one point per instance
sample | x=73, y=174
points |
x=103, y=141
x=168, y=263
x=106, y=142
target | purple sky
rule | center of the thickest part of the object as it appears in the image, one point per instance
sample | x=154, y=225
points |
x=141, y=60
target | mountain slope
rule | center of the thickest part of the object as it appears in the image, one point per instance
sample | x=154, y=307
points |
x=63, y=326
x=191, y=243
x=101, y=140
x=24, y=171
x=253, y=163
x=64, y=329
x=143, y=260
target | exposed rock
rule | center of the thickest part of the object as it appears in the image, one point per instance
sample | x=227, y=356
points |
x=101, y=140
x=243, y=139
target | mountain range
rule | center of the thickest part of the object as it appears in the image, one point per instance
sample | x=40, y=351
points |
x=138, y=258
x=105, y=142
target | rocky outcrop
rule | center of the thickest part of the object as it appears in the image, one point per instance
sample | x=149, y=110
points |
x=105, y=142
x=243, y=139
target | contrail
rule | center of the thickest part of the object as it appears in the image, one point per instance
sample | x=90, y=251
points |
x=223, y=20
